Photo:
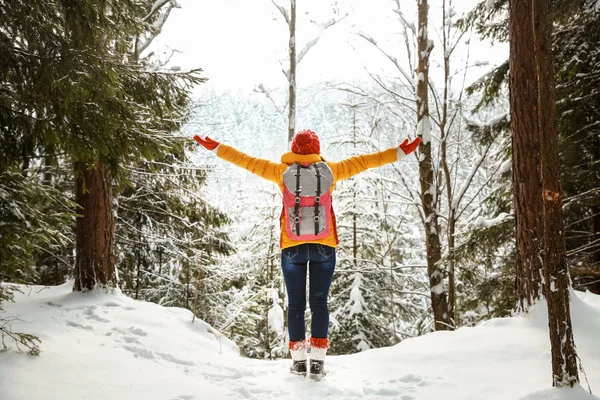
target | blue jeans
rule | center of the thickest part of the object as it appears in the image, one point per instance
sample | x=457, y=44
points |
x=321, y=263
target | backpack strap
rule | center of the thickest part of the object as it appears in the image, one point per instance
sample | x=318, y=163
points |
x=317, y=199
x=297, y=201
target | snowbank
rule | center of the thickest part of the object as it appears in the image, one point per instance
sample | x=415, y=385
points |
x=108, y=346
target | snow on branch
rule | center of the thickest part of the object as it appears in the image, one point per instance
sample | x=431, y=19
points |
x=405, y=23
x=262, y=89
x=158, y=4
x=156, y=27
x=283, y=11
x=394, y=60
x=310, y=44
x=307, y=47
x=458, y=198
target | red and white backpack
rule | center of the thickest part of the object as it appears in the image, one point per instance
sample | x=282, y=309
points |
x=307, y=205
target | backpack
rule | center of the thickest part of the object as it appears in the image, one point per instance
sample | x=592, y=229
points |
x=307, y=201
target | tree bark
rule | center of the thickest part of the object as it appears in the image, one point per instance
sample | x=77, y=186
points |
x=526, y=155
x=556, y=275
x=448, y=178
x=292, y=76
x=439, y=301
x=95, y=228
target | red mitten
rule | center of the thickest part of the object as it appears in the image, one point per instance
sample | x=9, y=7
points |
x=408, y=147
x=208, y=143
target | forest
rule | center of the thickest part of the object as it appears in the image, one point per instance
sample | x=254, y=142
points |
x=102, y=185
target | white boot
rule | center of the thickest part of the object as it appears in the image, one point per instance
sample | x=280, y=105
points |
x=299, y=351
x=318, y=351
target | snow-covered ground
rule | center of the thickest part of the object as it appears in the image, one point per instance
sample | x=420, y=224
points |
x=108, y=346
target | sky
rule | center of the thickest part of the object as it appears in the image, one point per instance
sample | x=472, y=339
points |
x=243, y=43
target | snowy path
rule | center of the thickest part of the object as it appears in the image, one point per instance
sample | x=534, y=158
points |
x=101, y=346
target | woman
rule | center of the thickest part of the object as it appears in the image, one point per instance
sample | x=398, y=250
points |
x=308, y=231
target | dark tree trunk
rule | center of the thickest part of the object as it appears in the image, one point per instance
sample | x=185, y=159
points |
x=556, y=274
x=526, y=155
x=95, y=228
x=439, y=300
x=595, y=257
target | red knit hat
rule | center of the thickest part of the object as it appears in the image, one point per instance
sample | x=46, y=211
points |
x=306, y=142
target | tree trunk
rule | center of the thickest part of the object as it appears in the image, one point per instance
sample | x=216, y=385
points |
x=426, y=173
x=526, y=155
x=292, y=76
x=95, y=228
x=556, y=274
x=448, y=178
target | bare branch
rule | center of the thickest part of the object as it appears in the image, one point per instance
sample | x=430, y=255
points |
x=283, y=11
x=407, y=76
x=262, y=89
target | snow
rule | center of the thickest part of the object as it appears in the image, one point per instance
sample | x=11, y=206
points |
x=424, y=129
x=107, y=346
x=275, y=314
x=488, y=223
x=505, y=167
x=356, y=299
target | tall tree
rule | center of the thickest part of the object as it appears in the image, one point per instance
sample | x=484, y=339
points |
x=88, y=27
x=556, y=276
x=295, y=57
x=538, y=196
x=92, y=106
x=439, y=298
x=526, y=154
x=576, y=55
x=292, y=73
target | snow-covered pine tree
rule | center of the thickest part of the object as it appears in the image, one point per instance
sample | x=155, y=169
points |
x=576, y=71
x=134, y=111
x=370, y=304
x=253, y=309
x=443, y=181
x=249, y=305
x=169, y=236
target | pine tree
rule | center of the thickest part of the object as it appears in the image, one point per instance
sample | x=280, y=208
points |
x=575, y=57
x=91, y=104
x=372, y=301
x=556, y=279
x=168, y=235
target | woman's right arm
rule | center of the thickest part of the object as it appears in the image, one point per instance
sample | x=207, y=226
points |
x=266, y=169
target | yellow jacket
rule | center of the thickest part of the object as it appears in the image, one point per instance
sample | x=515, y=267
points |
x=273, y=171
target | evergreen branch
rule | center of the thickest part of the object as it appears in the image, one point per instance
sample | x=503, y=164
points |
x=31, y=342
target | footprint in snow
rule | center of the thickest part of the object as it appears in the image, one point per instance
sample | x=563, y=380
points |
x=51, y=304
x=90, y=314
x=410, y=378
x=380, y=391
x=77, y=325
x=115, y=304
x=151, y=355
x=137, y=331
